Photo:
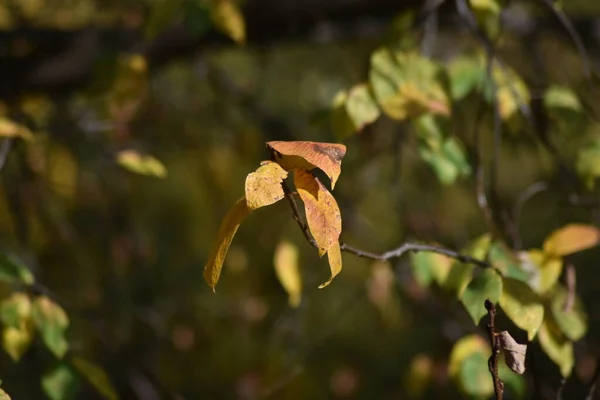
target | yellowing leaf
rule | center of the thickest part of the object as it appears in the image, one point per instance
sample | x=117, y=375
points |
x=16, y=341
x=322, y=212
x=572, y=322
x=462, y=349
x=486, y=5
x=52, y=322
x=514, y=353
x=15, y=313
x=543, y=270
x=361, y=106
x=427, y=266
x=522, y=306
x=228, y=18
x=263, y=187
x=561, y=97
x=287, y=271
x=10, y=129
x=227, y=230
x=571, y=239
x=96, y=377
x=309, y=155
x=474, y=377
x=486, y=285
x=141, y=164
x=334, y=256
x=557, y=347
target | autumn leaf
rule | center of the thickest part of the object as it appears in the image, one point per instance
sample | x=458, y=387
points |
x=571, y=239
x=514, y=353
x=543, y=270
x=287, y=271
x=334, y=256
x=227, y=230
x=263, y=187
x=322, y=212
x=522, y=306
x=309, y=155
x=15, y=314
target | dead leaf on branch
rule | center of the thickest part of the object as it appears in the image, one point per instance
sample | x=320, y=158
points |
x=263, y=187
x=310, y=155
x=322, y=212
x=514, y=353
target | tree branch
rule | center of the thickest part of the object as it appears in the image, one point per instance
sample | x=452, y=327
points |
x=495, y=342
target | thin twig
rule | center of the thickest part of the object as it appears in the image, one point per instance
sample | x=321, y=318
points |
x=571, y=282
x=594, y=381
x=561, y=388
x=495, y=343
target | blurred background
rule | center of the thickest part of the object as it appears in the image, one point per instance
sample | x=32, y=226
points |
x=128, y=128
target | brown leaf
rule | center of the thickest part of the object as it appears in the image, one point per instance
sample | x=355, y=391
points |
x=229, y=226
x=309, y=155
x=322, y=212
x=571, y=239
x=263, y=187
x=514, y=353
x=334, y=255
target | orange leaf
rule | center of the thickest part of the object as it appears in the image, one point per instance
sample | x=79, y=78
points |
x=322, y=212
x=571, y=239
x=263, y=187
x=229, y=226
x=309, y=155
x=334, y=255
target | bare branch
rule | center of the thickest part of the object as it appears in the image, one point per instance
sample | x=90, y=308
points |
x=493, y=360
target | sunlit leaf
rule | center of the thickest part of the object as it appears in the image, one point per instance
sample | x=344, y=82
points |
x=543, y=270
x=334, y=257
x=96, y=377
x=557, y=346
x=228, y=18
x=263, y=187
x=13, y=270
x=288, y=272
x=60, y=383
x=52, y=322
x=309, y=155
x=486, y=285
x=522, y=306
x=141, y=163
x=406, y=84
x=514, y=353
x=17, y=333
x=322, y=212
x=573, y=321
x=557, y=96
x=11, y=129
x=571, y=239
x=227, y=230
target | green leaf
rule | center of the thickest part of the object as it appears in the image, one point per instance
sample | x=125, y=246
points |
x=60, y=383
x=466, y=73
x=353, y=110
x=141, y=164
x=511, y=90
x=462, y=349
x=13, y=270
x=522, y=306
x=52, y=322
x=407, y=85
x=557, y=346
x=17, y=333
x=96, y=377
x=514, y=384
x=475, y=377
x=459, y=277
x=561, y=97
x=196, y=16
x=486, y=5
x=504, y=261
x=588, y=162
x=486, y=285
x=573, y=323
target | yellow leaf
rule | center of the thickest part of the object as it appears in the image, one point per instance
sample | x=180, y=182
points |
x=228, y=18
x=309, y=155
x=16, y=341
x=287, y=271
x=522, y=306
x=334, y=256
x=10, y=129
x=571, y=239
x=15, y=313
x=263, y=187
x=229, y=226
x=322, y=212
x=557, y=346
x=543, y=270
x=462, y=349
x=141, y=164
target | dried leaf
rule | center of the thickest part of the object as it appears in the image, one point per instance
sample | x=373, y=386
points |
x=227, y=230
x=287, y=271
x=522, y=306
x=141, y=164
x=557, y=346
x=486, y=285
x=96, y=377
x=322, y=212
x=263, y=187
x=309, y=155
x=52, y=322
x=228, y=18
x=571, y=239
x=334, y=256
x=514, y=353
